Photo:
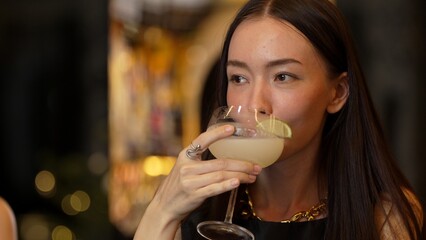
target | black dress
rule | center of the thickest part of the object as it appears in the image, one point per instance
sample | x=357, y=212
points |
x=214, y=209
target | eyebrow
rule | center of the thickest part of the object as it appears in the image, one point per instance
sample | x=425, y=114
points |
x=273, y=63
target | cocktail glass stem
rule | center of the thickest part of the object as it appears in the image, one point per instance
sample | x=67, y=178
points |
x=231, y=206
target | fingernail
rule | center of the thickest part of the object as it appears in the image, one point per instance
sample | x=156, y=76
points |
x=229, y=128
x=257, y=169
x=235, y=182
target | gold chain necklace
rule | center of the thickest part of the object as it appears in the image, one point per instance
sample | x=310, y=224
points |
x=309, y=215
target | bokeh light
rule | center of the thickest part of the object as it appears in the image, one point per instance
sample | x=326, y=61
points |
x=80, y=201
x=45, y=183
x=75, y=203
x=62, y=233
x=97, y=163
x=34, y=227
x=67, y=207
x=158, y=165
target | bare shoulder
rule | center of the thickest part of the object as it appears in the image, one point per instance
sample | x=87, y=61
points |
x=7, y=221
x=389, y=219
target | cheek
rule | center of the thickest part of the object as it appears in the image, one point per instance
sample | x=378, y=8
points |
x=230, y=99
x=234, y=97
x=305, y=113
x=301, y=107
x=307, y=119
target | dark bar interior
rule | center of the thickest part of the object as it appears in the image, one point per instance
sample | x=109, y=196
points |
x=55, y=101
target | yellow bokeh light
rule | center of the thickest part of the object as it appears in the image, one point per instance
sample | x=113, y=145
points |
x=66, y=206
x=156, y=165
x=62, y=233
x=153, y=166
x=45, y=182
x=80, y=201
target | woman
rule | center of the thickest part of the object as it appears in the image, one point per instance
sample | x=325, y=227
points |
x=294, y=59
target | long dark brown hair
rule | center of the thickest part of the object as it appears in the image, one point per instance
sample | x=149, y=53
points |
x=357, y=163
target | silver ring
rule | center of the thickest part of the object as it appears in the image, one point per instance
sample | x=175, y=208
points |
x=193, y=152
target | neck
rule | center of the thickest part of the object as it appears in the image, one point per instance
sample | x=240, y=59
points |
x=285, y=188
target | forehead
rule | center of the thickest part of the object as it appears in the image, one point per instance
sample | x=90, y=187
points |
x=266, y=37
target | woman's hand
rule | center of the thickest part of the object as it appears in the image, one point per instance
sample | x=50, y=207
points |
x=189, y=183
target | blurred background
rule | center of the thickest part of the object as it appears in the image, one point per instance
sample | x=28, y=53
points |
x=98, y=97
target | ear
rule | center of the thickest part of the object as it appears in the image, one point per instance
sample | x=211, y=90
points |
x=340, y=93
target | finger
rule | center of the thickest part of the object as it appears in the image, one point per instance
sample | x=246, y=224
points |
x=218, y=188
x=220, y=165
x=212, y=135
x=200, y=181
x=194, y=152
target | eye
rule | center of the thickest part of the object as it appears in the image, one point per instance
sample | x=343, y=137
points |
x=237, y=79
x=284, y=77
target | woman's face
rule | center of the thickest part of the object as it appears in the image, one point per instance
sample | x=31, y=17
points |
x=273, y=67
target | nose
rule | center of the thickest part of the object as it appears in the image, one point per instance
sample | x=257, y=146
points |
x=260, y=99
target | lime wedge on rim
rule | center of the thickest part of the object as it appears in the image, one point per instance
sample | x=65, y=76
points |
x=276, y=127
